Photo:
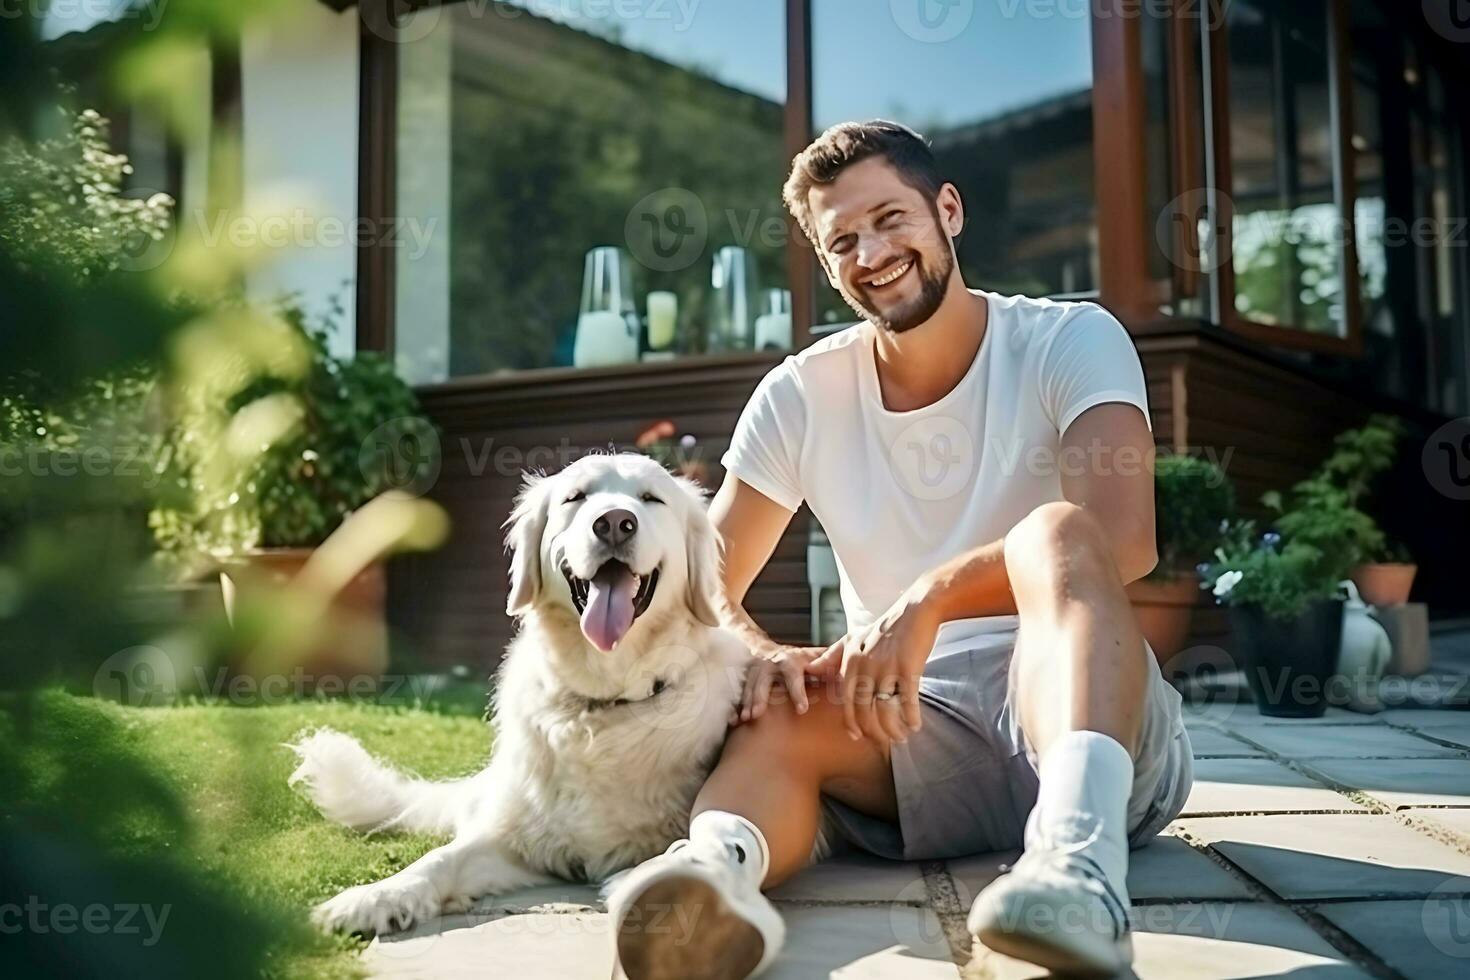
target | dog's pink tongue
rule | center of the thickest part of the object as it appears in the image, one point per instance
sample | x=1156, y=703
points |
x=609, y=612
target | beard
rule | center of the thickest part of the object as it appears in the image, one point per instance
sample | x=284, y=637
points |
x=908, y=314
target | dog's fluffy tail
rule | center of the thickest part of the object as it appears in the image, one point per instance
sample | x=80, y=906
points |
x=352, y=788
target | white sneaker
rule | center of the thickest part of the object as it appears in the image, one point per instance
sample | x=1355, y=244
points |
x=1055, y=909
x=695, y=912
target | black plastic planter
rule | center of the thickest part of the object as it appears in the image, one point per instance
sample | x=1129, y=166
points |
x=1288, y=661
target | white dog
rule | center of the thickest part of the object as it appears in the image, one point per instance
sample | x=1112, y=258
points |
x=610, y=708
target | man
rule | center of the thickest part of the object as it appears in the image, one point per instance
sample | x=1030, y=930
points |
x=983, y=468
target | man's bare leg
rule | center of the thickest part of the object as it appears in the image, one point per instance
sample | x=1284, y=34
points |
x=774, y=771
x=1081, y=675
x=755, y=823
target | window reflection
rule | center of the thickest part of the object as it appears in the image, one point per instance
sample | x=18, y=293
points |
x=1007, y=103
x=582, y=171
x=1287, y=232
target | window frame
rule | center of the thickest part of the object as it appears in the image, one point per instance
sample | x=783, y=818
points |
x=1344, y=183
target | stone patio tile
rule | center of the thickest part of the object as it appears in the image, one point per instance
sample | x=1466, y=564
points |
x=561, y=897
x=1423, y=940
x=1243, y=714
x=853, y=943
x=1168, y=868
x=1428, y=718
x=1325, y=742
x=527, y=947
x=1457, y=821
x=860, y=943
x=1205, y=742
x=856, y=878
x=971, y=874
x=1346, y=855
x=1403, y=782
x=1214, y=941
x=1258, y=786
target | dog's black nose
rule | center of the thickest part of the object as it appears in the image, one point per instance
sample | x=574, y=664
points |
x=615, y=527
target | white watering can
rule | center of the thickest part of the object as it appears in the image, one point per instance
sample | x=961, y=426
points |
x=1362, y=658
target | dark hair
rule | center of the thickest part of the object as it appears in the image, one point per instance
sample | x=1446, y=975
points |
x=848, y=143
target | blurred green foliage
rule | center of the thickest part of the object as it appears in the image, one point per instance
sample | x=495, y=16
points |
x=303, y=424
x=1319, y=530
x=108, y=365
x=1192, y=496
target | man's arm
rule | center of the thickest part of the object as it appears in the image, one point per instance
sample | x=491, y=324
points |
x=1106, y=465
x=748, y=525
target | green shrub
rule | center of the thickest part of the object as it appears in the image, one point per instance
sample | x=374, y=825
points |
x=319, y=462
x=1318, y=534
x=1192, y=497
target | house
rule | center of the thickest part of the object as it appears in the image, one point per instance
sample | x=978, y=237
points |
x=1269, y=194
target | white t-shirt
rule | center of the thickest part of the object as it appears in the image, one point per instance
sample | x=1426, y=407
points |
x=899, y=493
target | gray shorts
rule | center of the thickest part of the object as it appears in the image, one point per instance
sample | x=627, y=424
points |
x=966, y=781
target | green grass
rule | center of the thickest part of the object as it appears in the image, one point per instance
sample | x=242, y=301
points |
x=224, y=809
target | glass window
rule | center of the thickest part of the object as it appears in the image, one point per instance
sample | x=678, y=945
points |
x=589, y=184
x=1006, y=100
x=1287, y=231
x=1410, y=247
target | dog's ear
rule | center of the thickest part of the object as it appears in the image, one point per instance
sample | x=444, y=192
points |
x=703, y=559
x=526, y=524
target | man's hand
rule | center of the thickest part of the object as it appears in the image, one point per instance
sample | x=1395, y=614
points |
x=880, y=669
x=776, y=664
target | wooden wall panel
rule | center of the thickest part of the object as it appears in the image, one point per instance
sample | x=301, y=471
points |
x=448, y=608
x=1268, y=423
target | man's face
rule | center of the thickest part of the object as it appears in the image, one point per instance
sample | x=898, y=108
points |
x=885, y=245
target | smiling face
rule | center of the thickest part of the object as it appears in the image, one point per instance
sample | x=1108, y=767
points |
x=609, y=539
x=886, y=245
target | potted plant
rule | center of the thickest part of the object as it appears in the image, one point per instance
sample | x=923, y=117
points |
x=333, y=433
x=1359, y=456
x=1192, y=497
x=1283, y=589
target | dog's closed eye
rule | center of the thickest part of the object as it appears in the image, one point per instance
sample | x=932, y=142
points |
x=574, y=496
x=651, y=498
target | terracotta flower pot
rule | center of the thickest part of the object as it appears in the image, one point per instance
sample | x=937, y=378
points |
x=1386, y=583
x=1165, y=610
x=354, y=647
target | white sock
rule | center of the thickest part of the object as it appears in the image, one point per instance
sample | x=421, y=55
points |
x=731, y=828
x=1086, y=779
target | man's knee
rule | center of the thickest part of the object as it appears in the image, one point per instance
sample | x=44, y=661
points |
x=1056, y=538
x=794, y=739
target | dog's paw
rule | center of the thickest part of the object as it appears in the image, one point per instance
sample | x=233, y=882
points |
x=390, y=905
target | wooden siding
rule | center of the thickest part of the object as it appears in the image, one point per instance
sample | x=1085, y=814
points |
x=448, y=608
x=1268, y=423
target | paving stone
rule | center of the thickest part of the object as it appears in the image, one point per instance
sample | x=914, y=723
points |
x=1212, y=941
x=527, y=947
x=1326, y=742
x=1258, y=786
x=1428, y=718
x=1423, y=940
x=856, y=878
x=1348, y=855
x=561, y=897
x=853, y=943
x=1168, y=868
x=1457, y=821
x=1243, y=714
x=1206, y=742
x=971, y=874
x=1403, y=782
x=860, y=943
